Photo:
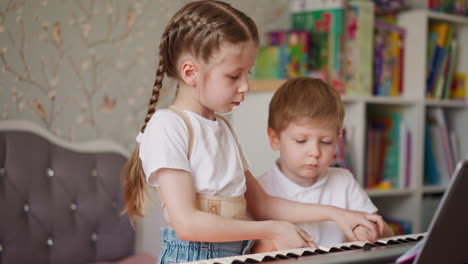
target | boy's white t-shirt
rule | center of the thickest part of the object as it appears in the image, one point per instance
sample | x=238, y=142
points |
x=217, y=163
x=336, y=187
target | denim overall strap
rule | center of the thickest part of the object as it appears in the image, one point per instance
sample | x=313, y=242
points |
x=175, y=250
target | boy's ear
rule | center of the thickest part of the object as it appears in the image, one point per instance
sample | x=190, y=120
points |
x=274, y=139
x=189, y=72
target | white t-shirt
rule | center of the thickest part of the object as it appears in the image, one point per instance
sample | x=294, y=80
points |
x=217, y=162
x=336, y=187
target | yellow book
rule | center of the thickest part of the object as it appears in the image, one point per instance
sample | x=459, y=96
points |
x=395, y=51
x=441, y=29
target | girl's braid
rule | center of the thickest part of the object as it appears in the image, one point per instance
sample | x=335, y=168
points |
x=190, y=22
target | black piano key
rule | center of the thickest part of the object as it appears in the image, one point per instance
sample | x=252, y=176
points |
x=334, y=249
x=346, y=248
x=237, y=262
x=402, y=240
x=355, y=247
x=292, y=255
x=320, y=251
x=251, y=260
x=367, y=247
x=308, y=253
x=419, y=238
x=380, y=243
x=411, y=239
x=269, y=258
x=280, y=256
x=393, y=242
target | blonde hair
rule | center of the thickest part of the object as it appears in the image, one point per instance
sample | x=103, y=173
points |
x=199, y=28
x=305, y=97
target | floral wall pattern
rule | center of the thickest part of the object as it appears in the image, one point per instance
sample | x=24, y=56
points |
x=84, y=69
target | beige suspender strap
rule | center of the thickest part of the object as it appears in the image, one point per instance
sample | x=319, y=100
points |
x=185, y=117
x=232, y=207
x=230, y=127
x=186, y=120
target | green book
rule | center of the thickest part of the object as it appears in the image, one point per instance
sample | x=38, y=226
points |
x=359, y=46
x=325, y=22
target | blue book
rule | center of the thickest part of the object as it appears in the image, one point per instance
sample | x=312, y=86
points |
x=431, y=174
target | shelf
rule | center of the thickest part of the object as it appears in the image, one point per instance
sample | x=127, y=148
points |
x=433, y=189
x=259, y=86
x=270, y=86
x=387, y=100
x=445, y=103
x=447, y=17
x=390, y=193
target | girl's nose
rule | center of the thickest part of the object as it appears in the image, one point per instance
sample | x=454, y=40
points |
x=244, y=88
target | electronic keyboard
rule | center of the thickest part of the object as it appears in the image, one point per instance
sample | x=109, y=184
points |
x=384, y=250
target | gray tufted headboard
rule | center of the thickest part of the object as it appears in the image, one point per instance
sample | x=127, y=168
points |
x=60, y=202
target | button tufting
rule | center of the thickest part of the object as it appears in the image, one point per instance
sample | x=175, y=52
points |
x=26, y=207
x=73, y=206
x=94, y=173
x=94, y=237
x=214, y=209
x=50, y=242
x=50, y=172
x=2, y=171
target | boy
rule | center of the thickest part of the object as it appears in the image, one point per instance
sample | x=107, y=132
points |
x=304, y=125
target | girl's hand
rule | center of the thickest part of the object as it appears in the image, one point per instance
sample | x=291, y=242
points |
x=362, y=234
x=289, y=236
x=348, y=220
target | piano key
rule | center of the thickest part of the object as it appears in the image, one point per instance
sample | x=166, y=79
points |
x=293, y=255
x=280, y=256
x=308, y=253
x=251, y=260
x=346, y=248
x=335, y=249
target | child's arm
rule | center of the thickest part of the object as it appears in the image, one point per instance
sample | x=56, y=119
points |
x=263, y=206
x=178, y=192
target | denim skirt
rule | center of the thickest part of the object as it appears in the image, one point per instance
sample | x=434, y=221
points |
x=175, y=250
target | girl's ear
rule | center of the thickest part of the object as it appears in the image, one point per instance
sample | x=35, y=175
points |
x=189, y=72
x=274, y=139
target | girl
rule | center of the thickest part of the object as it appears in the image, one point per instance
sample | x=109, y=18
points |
x=193, y=157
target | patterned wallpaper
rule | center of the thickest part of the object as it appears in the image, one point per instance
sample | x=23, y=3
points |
x=85, y=69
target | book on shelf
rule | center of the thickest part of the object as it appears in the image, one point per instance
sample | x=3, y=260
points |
x=431, y=172
x=442, y=59
x=343, y=157
x=456, y=7
x=284, y=55
x=358, y=45
x=441, y=139
x=269, y=63
x=388, y=59
x=324, y=20
x=388, y=151
x=399, y=226
x=458, y=87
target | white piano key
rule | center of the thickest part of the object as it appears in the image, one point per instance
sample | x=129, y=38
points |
x=297, y=251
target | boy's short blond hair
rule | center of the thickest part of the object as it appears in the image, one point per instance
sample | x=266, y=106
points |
x=305, y=97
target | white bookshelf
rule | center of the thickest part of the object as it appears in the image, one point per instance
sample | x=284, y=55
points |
x=250, y=120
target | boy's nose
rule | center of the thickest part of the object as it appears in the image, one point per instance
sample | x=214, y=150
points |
x=314, y=151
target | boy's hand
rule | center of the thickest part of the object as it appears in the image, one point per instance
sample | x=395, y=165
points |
x=348, y=220
x=289, y=236
x=362, y=234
